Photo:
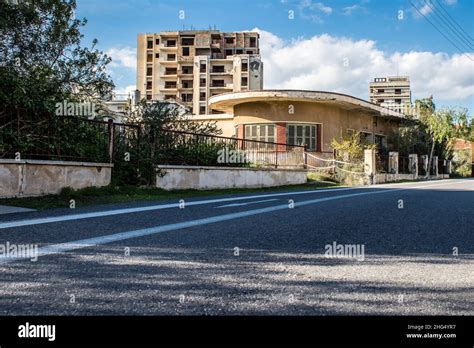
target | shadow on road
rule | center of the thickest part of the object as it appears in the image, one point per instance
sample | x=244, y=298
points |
x=156, y=281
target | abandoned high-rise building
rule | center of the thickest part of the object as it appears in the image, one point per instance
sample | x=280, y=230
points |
x=392, y=92
x=192, y=65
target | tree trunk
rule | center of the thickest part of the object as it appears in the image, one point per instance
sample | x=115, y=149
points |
x=430, y=159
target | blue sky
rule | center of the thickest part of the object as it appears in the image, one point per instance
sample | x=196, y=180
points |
x=369, y=34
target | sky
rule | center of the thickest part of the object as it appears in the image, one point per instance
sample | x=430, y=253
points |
x=328, y=45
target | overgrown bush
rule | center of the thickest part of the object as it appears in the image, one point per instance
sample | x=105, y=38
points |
x=165, y=133
x=350, y=150
x=47, y=136
x=462, y=163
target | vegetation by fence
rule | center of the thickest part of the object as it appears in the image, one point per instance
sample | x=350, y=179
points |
x=49, y=137
x=134, y=148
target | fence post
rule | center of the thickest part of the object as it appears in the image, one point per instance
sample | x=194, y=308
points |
x=138, y=149
x=435, y=165
x=276, y=156
x=370, y=165
x=413, y=164
x=110, y=128
x=393, y=162
x=305, y=158
x=424, y=160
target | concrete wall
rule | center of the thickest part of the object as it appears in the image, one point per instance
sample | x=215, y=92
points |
x=201, y=178
x=383, y=178
x=36, y=178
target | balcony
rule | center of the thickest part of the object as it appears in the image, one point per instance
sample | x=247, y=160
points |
x=221, y=71
x=187, y=41
x=218, y=85
x=386, y=95
x=169, y=73
x=185, y=86
x=168, y=44
x=168, y=61
x=169, y=87
x=185, y=72
x=185, y=59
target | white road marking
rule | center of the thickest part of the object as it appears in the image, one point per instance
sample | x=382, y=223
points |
x=61, y=218
x=84, y=243
x=248, y=203
x=47, y=220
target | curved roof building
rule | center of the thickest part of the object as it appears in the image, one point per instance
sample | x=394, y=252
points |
x=311, y=118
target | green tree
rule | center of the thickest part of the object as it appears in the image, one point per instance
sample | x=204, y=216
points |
x=438, y=126
x=42, y=61
x=163, y=133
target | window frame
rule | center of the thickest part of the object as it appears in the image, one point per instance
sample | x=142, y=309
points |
x=259, y=135
x=303, y=134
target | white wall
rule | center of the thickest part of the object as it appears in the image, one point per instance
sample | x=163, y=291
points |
x=203, y=178
x=36, y=178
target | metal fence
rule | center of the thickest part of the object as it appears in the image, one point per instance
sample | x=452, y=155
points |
x=51, y=137
x=381, y=163
x=442, y=167
x=181, y=147
x=403, y=165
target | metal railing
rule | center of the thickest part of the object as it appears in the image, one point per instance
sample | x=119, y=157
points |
x=403, y=165
x=190, y=148
x=381, y=163
x=51, y=137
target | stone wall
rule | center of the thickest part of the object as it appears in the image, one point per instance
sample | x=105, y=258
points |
x=25, y=178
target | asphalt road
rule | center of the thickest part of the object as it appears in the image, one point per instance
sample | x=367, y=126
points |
x=250, y=254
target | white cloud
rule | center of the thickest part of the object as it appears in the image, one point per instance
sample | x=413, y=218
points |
x=313, y=10
x=347, y=11
x=426, y=9
x=125, y=57
x=317, y=63
x=451, y=2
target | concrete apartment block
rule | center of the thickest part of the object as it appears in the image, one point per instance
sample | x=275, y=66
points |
x=392, y=92
x=191, y=66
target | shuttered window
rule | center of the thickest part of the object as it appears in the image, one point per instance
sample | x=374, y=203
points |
x=260, y=132
x=303, y=134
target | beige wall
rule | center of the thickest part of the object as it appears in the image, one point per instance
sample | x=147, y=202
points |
x=203, y=178
x=223, y=121
x=141, y=63
x=335, y=120
x=35, y=178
